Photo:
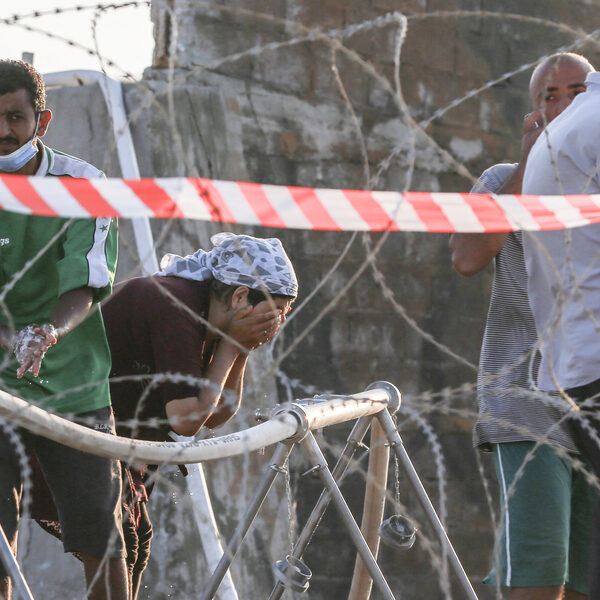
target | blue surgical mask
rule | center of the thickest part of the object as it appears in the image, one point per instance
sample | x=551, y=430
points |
x=21, y=156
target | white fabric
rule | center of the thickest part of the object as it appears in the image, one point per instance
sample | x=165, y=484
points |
x=57, y=164
x=239, y=260
x=564, y=266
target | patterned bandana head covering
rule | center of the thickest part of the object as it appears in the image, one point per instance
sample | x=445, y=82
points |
x=257, y=263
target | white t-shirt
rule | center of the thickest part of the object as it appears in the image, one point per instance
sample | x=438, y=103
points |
x=563, y=267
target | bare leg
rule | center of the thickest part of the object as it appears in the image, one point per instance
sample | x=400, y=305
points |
x=115, y=569
x=6, y=581
x=550, y=592
x=10, y=497
x=144, y=537
x=5, y=588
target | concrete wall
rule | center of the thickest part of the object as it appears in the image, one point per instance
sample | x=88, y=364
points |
x=325, y=113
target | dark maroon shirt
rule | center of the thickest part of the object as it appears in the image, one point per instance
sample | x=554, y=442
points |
x=152, y=327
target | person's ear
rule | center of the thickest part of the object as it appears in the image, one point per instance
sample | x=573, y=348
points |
x=45, y=118
x=239, y=298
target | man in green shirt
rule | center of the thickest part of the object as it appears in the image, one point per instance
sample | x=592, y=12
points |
x=53, y=348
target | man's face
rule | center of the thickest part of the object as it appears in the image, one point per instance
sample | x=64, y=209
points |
x=17, y=121
x=557, y=85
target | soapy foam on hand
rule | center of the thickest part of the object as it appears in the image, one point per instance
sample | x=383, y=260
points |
x=33, y=336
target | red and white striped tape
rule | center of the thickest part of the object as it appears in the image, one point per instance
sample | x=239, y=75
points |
x=293, y=207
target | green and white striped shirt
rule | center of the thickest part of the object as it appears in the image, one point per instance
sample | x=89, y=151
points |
x=42, y=258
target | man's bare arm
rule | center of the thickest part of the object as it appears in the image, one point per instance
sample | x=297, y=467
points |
x=71, y=309
x=473, y=252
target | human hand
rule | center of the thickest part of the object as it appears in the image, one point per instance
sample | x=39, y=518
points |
x=254, y=326
x=31, y=344
x=533, y=125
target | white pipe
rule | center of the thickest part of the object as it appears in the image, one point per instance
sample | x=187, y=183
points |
x=113, y=95
x=281, y=427
x=77, y=436
x=345, y=408
x=210, y=537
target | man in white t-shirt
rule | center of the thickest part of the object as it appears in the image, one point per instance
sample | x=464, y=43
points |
x=563, y=270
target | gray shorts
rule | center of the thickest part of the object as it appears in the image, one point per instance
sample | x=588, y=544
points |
x=85, y=488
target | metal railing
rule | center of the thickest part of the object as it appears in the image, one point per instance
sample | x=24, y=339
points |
x=287, y=426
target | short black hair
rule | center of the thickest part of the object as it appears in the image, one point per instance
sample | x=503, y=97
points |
x=16, y=75
x=224, y=291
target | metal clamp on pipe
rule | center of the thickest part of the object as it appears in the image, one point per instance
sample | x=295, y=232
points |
x=261, y=415
x=299, y=413
x=292, y=573
x=394, y=395
x=338, y=409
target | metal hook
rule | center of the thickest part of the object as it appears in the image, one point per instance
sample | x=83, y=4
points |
x=314, y=469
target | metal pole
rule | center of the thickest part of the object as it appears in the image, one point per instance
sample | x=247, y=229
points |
x=373, y=509
x=354, y=439
x=12, y=568
x=279, y=457
x=398, y=447
x=115, y=105
x=316, y=457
